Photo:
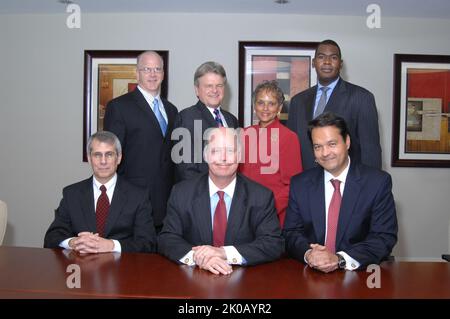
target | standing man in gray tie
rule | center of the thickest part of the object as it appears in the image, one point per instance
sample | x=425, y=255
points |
x=332, y=94
x=143, y=122
x=209, y=84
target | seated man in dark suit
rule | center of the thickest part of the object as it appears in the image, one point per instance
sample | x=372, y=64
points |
x=209, y=83
x=221, y=218
x=86, y=222
x=341, y=214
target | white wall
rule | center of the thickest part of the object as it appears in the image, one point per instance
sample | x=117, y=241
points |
x=41, y=63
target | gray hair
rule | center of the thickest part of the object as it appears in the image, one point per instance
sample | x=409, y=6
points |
x=209, y=67
x=154, y=53
x=271, y=87
x=104, y=137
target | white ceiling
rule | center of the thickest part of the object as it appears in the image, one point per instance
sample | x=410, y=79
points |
x=389, y=8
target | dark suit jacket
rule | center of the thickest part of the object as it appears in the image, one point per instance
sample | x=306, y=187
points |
x=129, y=219
x=186, y=119
x=356, y=105
x=146, y=160
x=367, y=225
x=252, y=228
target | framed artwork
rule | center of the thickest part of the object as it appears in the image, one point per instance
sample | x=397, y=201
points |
x=107, y=75
x=421, y=111
x=289, y=63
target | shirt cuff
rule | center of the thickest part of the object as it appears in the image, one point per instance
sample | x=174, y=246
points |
x=65, y=243
x=304, y=256
x=350, y=263
x=233, y=256
x=117, y=246
x=188, y=259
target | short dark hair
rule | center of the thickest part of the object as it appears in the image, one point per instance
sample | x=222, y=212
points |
x=271, y=87
x=328, y=119
x=329, y=42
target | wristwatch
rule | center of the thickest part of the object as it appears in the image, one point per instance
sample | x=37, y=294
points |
x=341, y=261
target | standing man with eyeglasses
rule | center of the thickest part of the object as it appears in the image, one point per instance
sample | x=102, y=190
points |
x=209, y=84
x=103, y=213
x=143, y=122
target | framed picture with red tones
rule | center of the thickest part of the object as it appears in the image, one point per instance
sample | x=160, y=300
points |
x=421, y=111
x=289, y=63
x=107, y=75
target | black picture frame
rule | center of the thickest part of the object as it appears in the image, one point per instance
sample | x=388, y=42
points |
x=421, y=95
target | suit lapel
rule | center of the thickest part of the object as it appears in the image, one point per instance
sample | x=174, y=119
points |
x=349, y=199
x=206, y=115
x=317, y=200
x=87, y=205
x=237, y=211
x=118, y=201
x=310, y=101
x=145, y=107
x=337, y=98
x=202, y=211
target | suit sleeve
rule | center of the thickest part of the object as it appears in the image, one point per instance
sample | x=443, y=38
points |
x=382, y=235
x=292, y=118
x=268, y=244
x=114, y=121
x=294, y=228
x=60, y=229
x=144, y=235
x=170, y=241
x=368, y=131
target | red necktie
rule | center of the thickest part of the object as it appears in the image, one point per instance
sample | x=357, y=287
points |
x=102, y=211
x=333, y=216
x=220, y=221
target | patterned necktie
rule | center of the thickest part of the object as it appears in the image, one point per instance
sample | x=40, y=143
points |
x=217, y=117
x=101, y=212
x=220, y=221
x=159, y=117
x=333, y=216
x=322, y=101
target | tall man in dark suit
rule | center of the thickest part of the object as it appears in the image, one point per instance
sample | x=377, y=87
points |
x=143, y=122
x=209, y=83
x=342, y=213
x=103, y=213
x=332, y=94
x=220, y=218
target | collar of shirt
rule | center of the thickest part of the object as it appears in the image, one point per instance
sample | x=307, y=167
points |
x=214, y=197
x=149, y=98
x=342, y=177
x=110, y=186
x=330, y=87
x=211, y=110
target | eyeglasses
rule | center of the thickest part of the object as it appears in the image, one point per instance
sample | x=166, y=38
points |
x=148, y=70
x=99, y=156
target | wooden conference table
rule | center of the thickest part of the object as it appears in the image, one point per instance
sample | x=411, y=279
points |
x=41, y=273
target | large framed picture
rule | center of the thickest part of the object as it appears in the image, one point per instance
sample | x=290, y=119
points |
x=289, y=63
x=421, y=111
x=107, y=75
